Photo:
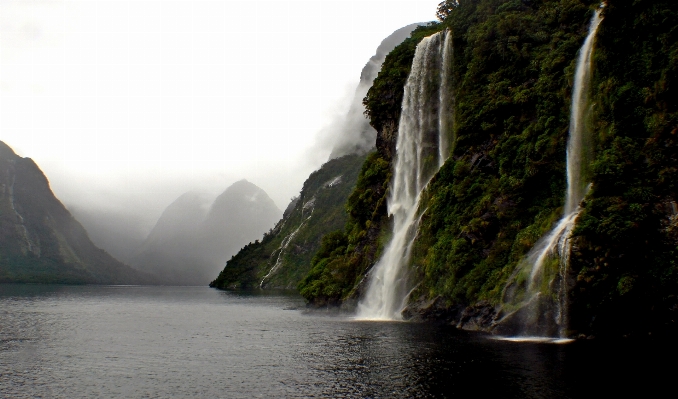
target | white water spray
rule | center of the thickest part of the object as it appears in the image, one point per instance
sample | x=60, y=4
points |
x=445, y=117
x=421, y=148
x=557, y=242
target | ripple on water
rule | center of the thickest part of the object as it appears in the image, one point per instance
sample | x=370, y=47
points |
x=187, y=342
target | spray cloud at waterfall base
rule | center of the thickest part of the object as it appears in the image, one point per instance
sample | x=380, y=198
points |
x=536, y=296
x=422, y=147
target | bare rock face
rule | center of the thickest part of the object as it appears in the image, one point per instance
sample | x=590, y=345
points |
x=40, y=241
x=479, y=317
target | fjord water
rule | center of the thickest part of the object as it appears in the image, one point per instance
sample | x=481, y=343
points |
x=552, y=320
x=421, y=148
x=194, y=342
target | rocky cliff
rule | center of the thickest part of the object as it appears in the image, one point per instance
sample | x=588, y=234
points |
x=40, y=242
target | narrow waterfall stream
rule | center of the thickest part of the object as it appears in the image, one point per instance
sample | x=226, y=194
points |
x=421, y=148
x=552, y=320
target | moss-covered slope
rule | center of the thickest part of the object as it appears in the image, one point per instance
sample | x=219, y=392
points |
x=284, y=254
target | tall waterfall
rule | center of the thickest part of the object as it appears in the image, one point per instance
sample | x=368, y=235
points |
x=543, y=318
x=421, y=148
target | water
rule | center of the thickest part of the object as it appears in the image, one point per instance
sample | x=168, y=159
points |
x=576, y=150
x=421, y=149
x=189, y=342
x=538, y=315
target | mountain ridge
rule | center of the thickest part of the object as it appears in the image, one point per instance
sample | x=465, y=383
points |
x=40, y=241
x=192, y=239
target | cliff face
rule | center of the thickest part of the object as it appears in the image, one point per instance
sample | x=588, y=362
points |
x=40, y=241
x=192, y=240
x=503, y=186
x=356, y=135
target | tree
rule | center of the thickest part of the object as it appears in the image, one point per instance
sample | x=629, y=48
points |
x=445, y=8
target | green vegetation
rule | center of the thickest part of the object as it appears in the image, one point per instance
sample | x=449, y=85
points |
x=503, y=186
x=385, y=97
x=31, y=269
x=506, y=178
x=338, y=269
x=345, y=255
x=626, y=259
x=318, y=210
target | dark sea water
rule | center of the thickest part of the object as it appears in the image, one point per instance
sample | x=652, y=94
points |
x=186, y=342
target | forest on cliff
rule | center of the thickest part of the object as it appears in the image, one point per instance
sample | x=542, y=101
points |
x=502, y=187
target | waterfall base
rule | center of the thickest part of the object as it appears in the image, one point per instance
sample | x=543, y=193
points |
x=536, y=318
x=543, y=340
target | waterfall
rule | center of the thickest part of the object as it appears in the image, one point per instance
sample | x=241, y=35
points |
x=421, y=149
x=576, y=186
x=557, y=243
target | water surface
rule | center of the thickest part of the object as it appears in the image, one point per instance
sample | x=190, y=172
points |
x=184, y=342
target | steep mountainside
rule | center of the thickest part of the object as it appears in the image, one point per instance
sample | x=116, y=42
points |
x=287, y=253
x=502, y=188
x=284, y=254
x=40, y=242
x=353, y=133
x=190, y=242
x=345, y=255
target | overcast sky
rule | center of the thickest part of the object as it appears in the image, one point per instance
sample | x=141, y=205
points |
x=131, y=103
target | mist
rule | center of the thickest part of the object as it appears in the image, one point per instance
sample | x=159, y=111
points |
x=196, y=235
x=351, y=132
x=125, y=106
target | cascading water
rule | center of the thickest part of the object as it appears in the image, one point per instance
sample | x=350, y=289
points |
x=421, y=148
x=556, y=244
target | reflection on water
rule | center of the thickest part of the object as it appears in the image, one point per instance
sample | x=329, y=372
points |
x=541, y=340
x=88, y=341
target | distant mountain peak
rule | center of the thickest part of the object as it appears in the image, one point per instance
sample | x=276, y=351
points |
x=192, y=240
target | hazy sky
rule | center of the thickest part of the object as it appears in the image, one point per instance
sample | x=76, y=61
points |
x=131, y=103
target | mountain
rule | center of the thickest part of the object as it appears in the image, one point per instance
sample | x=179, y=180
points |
x=169, y=251
x=353, y=133
x=283, y=256
x=500, y=195
x=239, y=215
x=117, y=232
x=192, y=240
x=40, y=241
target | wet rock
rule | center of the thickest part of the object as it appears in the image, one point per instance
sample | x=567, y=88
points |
x=478, y=317
x=433, y=310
